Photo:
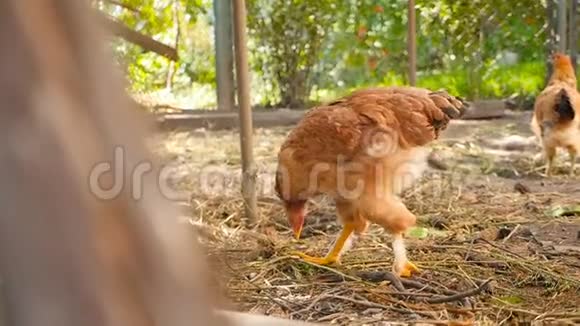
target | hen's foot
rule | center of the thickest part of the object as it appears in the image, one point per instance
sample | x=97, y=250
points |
x=328, y=260
x=407, y=269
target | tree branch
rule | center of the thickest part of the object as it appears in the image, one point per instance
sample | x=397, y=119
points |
x=144, y=41
x=459, y=296
x=123, y=5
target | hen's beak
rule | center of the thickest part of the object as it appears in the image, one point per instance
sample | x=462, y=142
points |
x=297, y=231
x=296, y=212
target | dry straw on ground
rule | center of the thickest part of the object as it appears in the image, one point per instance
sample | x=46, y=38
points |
x=496, y=242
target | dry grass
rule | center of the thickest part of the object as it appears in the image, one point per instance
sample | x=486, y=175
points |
x=485, y=218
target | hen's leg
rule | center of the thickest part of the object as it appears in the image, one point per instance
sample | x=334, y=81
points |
x=573, y=154
x=573, y=163
x=334, y=254
x=394, y=216
x=402, y=266
x=550, y=155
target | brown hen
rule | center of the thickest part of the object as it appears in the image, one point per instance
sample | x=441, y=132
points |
x=556, y=122
x=363, y=150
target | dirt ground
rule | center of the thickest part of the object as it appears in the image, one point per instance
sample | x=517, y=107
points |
x=497, y=242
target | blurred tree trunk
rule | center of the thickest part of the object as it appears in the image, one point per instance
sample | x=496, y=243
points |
x=551, y=19
x=172, y=64
x=294, y=90
x=573, y=33
x=68, y=255
x=224, y=55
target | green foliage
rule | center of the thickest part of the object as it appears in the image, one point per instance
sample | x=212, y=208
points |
x=460, y=47
x=521, y=80
x=159, y=19
x=474, y=33
x=422, y=232
x=510, y=300
x=501, y=81
x=366, y=44
x=197, y=53
x=286, y=39
x=467, y=26
x=559, y=211
x=313, y=50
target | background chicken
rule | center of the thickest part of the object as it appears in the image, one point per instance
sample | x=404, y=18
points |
x=363, y=150
x=555, y=121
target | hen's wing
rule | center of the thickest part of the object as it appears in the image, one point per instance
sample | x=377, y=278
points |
x=353, y=127
x=415, y=116
x=324, y=133
x=555, y=107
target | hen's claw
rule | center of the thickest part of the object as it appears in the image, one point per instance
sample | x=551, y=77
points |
x=408, y=269
x=328, y=260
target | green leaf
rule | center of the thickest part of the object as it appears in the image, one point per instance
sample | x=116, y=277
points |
x=559, y=211
x=511, y=299
x=418, y=232
x=422, y=232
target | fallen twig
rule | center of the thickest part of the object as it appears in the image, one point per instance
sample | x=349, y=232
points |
x=501, y=248
x=461, y=295
x=315, y=301
x=330, y=269
x=370, y=304
x=376, y=277
x=511, y=234
x=558, y=315
x=443, y=322
x=273, y=299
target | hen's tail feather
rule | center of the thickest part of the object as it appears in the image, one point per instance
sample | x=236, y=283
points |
x=452, y=112
x=455, y=110
x=564, y=107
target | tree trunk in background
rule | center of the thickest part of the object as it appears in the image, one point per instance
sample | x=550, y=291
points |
x=294, y=90
x=172, y=69
x=551, y=17
x=573, y=36
x=562, y=25
x=224, y=54
x=412, y=42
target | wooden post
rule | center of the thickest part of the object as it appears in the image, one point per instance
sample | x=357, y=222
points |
x=573, y=35
x=224, y=54
x=562, y=25
x=412, y=42
x=246, y=129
